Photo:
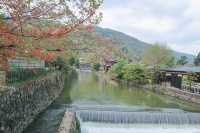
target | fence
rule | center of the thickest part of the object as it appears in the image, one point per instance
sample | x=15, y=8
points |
x=26, y=63
x=19, y=75
x=2, y=78
x=193, y=88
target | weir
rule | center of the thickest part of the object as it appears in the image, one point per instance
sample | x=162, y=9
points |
x=126, y=115
x=138, y=117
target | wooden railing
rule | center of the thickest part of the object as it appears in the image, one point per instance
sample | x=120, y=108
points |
x=193, y=88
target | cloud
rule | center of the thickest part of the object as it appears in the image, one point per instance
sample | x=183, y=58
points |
x=193, y=9
x=154, y=24
x=174, y=21
x=192, y=48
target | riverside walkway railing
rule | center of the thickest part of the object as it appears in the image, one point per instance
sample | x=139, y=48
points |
x=193, y=88
x=19, y=75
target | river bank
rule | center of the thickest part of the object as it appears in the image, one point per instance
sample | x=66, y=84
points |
x=50, y=119
x=20, y=105
x=188, y=101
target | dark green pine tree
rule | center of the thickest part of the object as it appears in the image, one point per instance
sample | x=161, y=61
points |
x=182, y=60
x=197, y=60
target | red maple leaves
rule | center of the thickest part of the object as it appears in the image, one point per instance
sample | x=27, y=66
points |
x=43, y=55
x=24, y=22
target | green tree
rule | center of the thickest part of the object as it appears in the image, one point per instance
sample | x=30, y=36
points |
x=197, y=60
x=96, y=66
x=134, y=73
x=157, y=56
x=1, y=19
x=72, y=61
x=59, y=63
x=116, y=69
x=182, y=60
x=171, y=62
x=29, y=22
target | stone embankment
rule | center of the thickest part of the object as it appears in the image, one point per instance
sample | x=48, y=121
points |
x=195, y=98
x=174, y=92
x=20, y=105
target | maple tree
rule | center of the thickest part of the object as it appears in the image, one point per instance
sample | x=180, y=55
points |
x=24, y=23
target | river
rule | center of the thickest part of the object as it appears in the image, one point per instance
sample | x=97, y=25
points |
x=88, y=89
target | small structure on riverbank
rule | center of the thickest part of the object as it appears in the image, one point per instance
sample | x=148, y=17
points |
x=183, y=78
x=84, y=64
x=109, y=63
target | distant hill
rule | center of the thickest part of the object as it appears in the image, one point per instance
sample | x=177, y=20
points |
x=131, y=45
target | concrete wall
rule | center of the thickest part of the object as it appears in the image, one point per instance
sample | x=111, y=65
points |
x=19, y=106
x=68, y=124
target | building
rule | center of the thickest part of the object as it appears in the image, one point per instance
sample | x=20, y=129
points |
x=26, y=63
x=109, y=63
x=183, y=78
x=84, y=64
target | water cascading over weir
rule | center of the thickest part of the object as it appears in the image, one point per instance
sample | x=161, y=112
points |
x=127, y=115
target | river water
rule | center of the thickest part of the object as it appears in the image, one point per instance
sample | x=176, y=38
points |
x=169, y=115
x=109, y=128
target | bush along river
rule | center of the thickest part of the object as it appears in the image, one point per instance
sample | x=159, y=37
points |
x=104, y=106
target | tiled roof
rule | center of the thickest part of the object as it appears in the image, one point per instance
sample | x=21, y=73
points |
x=182, y=69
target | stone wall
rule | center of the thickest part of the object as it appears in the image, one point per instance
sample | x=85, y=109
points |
x=171, y=91
x=68, y=124
x=19, y=106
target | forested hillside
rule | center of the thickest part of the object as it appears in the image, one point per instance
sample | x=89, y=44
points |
x=133, y=46
x=99, y=44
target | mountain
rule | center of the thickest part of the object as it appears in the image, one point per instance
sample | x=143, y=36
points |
x=133, y=46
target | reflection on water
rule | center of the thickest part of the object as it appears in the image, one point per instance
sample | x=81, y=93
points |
x=91, y=89
x=46, y=122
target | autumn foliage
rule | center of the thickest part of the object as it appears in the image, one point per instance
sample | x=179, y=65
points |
x=24, y=23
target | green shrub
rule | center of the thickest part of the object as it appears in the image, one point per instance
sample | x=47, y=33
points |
x=60, y=63
x=134, y=73
x=78, y=126
x=96, y=67
x=72, y=61
x=116, y=69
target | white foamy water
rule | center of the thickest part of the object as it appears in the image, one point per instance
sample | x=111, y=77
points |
x=111, y=128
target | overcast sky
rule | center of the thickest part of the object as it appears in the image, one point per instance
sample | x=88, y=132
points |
x=175, y=22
